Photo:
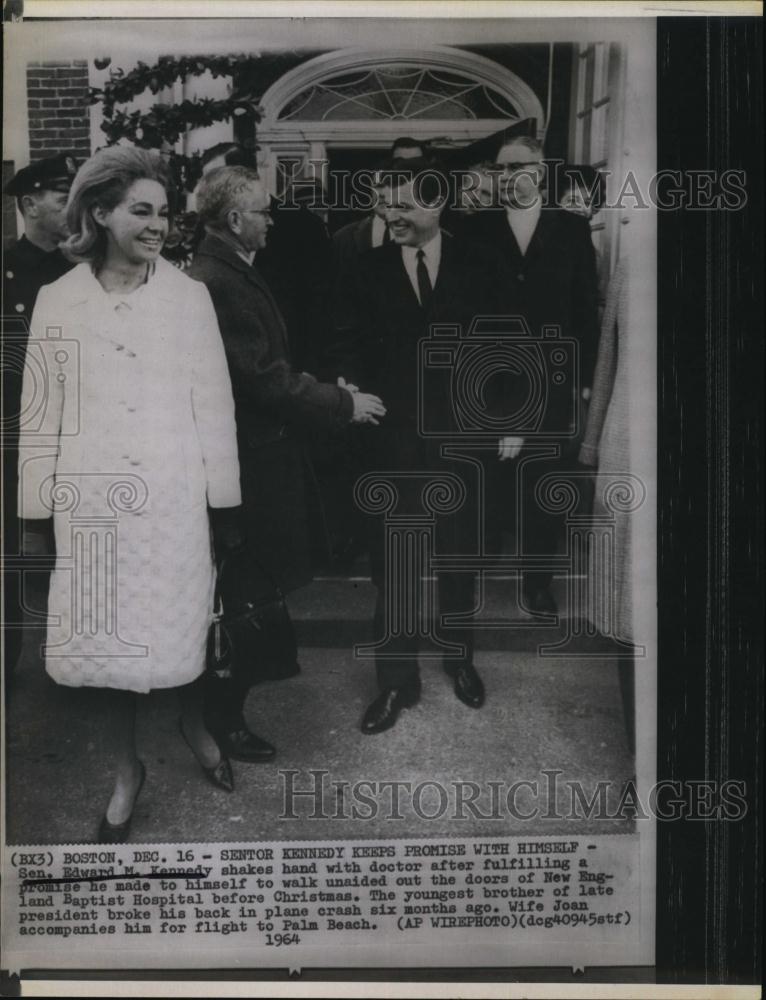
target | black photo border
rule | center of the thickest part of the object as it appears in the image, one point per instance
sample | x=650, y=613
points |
x=710, y=502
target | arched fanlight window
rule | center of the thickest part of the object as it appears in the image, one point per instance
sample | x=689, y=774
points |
x=366, y=96
x=398, y=92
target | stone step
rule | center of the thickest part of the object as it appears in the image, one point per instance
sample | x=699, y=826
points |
x=337, y=612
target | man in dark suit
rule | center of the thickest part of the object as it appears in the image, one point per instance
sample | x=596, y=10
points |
x=337, y=474
x=391, y=300
x=550, y=274
x=273, y=405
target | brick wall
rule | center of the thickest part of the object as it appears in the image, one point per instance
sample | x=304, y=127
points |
x=57, y=98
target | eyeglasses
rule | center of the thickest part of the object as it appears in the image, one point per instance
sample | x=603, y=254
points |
x=258, y=211
x=514, y=167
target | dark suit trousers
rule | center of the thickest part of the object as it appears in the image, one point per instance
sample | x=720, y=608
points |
x=224, y=700
x=456, y=594
x=456, y=591
x=512, y=505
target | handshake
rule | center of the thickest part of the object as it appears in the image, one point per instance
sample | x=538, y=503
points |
x=366, y=406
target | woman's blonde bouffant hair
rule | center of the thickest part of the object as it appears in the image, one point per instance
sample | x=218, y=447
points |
x=102, y=181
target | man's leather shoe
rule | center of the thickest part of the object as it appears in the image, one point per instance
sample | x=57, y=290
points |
x=540, y=601
x=246, y=747
x=468, y=686
x=384, y=711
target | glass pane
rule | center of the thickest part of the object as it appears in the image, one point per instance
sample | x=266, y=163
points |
x=398, y=92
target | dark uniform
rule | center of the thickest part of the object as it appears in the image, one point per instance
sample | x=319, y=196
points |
x=26, y=268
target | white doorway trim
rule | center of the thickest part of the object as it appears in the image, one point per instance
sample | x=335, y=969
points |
x=374, y=132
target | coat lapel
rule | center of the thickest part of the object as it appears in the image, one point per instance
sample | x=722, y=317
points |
x=496, y=230
x=544, y=231
x=363, y=235
x=215, y=247
x=396, y=277
x=445, y=285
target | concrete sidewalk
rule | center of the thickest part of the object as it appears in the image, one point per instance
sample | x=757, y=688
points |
x=542, y=714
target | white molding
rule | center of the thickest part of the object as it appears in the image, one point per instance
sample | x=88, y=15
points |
x=481, y=69
x=15, y=106
x=381, y=133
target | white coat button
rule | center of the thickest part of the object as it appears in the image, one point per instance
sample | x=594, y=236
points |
x=9, y=274
x=19, y=307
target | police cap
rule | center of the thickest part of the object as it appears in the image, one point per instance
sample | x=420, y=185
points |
x=55, y=173
x=485, y=150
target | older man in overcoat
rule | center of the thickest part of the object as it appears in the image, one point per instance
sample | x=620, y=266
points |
x=274, y=405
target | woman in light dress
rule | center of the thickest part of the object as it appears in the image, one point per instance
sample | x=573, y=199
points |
x=128, y=439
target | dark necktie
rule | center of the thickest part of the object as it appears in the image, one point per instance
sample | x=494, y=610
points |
x=424, y=281
x=386, y=236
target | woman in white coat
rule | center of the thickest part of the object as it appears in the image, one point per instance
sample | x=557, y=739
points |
x=127, y=437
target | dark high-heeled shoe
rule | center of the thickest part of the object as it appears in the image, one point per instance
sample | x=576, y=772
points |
x=219, y=774
x=118, y=833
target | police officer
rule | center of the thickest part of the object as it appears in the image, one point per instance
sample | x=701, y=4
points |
x=34, y=260
x=40, y=191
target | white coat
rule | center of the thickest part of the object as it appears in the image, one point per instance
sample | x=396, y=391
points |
x=127, y=433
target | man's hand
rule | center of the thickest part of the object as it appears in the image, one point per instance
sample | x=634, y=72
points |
x=509, y=447
x=366, y=408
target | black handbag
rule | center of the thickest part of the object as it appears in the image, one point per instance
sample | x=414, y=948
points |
x=252, y=638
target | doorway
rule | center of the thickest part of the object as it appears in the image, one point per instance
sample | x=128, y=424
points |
x=344, y=162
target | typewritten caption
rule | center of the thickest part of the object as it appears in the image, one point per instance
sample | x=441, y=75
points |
x=301, y=900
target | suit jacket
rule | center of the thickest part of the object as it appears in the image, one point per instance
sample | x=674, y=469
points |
x=555, y=283
x=379, y=324
x=352, y=240
x=272, y=401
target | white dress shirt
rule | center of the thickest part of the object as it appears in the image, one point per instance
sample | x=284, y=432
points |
x=432, y=257
x=523, y=222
